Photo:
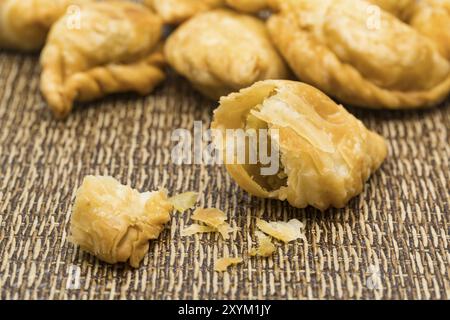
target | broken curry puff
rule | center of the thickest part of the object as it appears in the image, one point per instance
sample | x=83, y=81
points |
x=222, y=51
x=370, y=61
x=24, y=24
x=116, y=49
x=325, y=154
x=115, y=222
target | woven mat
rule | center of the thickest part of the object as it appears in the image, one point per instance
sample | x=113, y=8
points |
x=392, y=242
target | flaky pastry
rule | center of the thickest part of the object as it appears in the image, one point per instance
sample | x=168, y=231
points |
x=213, y=218
x=115, y=222
x=283, y=231
x=116, y=49
x=177, y=11
x=222, y=264
x=221, y=51
x=24, y=24
x=325, y=153
x=184, y=201
x=265, y=246
x=361, y=58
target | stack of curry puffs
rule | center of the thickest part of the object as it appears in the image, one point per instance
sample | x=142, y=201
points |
x=389, y=54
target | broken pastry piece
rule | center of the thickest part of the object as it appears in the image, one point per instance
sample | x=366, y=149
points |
x=222, y=264
x=184, y=201
x=221, y=51
x=178, y=11
x=214, y=219
x=115, y=222
x=324, y=154
x=196, y=228
x=370, y=61
x=265, y=246
x=116, y=49
x=24, y=24
x=283, y=231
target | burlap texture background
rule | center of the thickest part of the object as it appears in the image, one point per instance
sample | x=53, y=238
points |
x=397, y=231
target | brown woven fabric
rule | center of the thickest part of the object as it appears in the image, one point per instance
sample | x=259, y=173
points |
x=397, y=231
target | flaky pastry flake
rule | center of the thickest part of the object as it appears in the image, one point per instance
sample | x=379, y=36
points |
x=115, y=222
x=215, y=219
x=265, y=246
x=24, y=24
x=184, y=201
x=325, y=154
x=221, y=51
x=283, y=231
x=222, y=264
x=115, y=49
x=196, y=228
x=369, y=61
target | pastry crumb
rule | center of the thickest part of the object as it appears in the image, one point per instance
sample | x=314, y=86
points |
x=222, y=264
x=196, y=228
x=212, y=218
x=265, y=248
x=283, y=231
x=184, y=201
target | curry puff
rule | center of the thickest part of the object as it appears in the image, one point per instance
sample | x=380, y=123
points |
x=115, y=49
x=24, y=24
x=359, y=56
x=325, y=154
x=222, y=51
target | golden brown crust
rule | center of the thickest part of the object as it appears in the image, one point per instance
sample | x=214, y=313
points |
x=115, y=222
x=178, y=11
x=24, y=24
x=330, y=45
x=327, y=154
x=253, y=6
x=429, y=17
x=432, y=19
x=221, y=51
x=399, y=8
x=115, y=50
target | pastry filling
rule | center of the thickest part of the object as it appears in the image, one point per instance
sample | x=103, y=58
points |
x=268, y=182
